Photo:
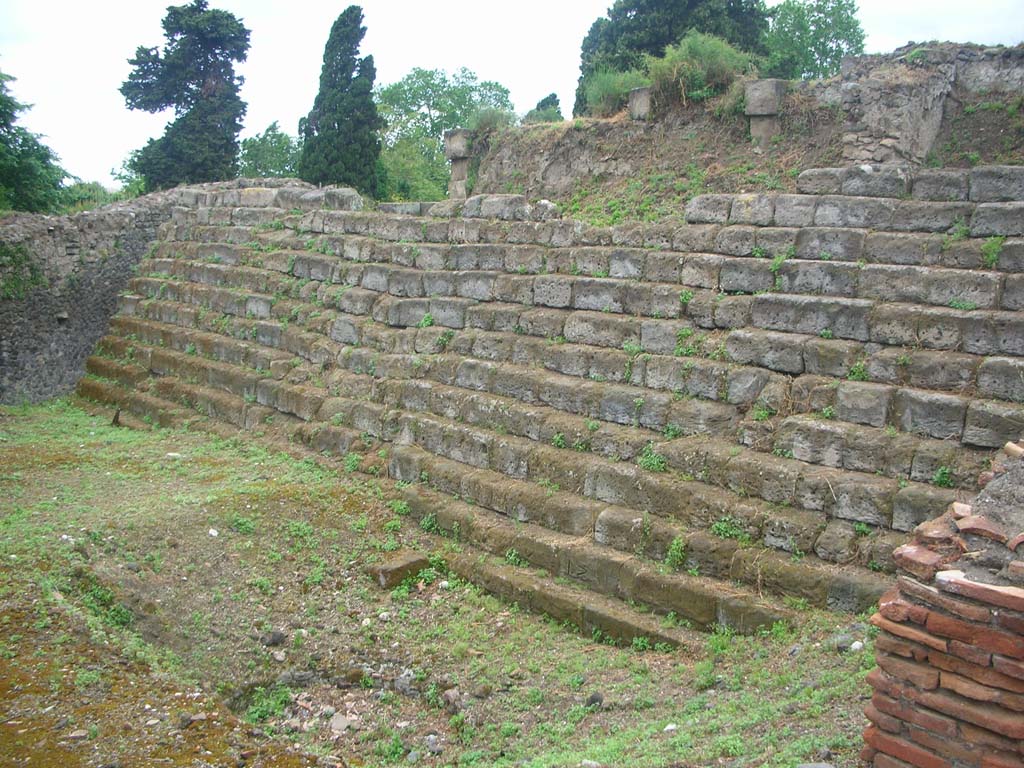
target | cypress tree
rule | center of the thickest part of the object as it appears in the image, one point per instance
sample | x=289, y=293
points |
x=341, y=144
x=195, y=76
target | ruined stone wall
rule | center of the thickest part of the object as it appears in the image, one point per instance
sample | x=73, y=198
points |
x=63, y=286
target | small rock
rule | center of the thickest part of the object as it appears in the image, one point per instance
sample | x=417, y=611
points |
x=413, y=757
x=403, y=683
x=589, y=764
x=293, y=724
x=133, y=567
x=152, y=721
x=443, y=584
x=173, y=455
x=327, y=711
x=433, y=744
x=670, y=728
x=842, y=642
x=279, y=656
x=384, y=616
x=78, y=735
x=596, y=699
x=856, y=645
x=198, y=717
x=214, y=532
x=273, y=638
x=482, y=691
x=340, y=723
x=795, y=651
x=452, y=699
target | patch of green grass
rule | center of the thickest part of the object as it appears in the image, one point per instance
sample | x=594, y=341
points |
x=991, y=249
x=943, y=477
x=651, y=460
x=729, y=527
x=268, y=703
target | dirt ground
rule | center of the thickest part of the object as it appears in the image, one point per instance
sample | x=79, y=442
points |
x=171, y=598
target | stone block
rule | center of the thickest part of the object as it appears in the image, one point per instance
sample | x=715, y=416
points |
x=458, y=143
x=764, y=97
x=701, y=270
x=933, y=414
x=733, y=311
x=916, y=504
x=997, y=183
x=763, y=128
x=1002, y=377
x=709, y=209
x=855, y=212
x=752, y=209
x=864, y=499
x=818, y=277
x=795, y=210
x=601, y=329
x=746, y=276
x=1013, y=293
x=991, y=425
x=659, y=337
x=640, y=103
x=552, y=290
x=626, y=264
x=936, y=185
x=829, y=244
x=998, y=219
x=837, y=543
x=918, y=216
x=736, y=240
x=877, y=181
x=901, y=248
x=775, y=351
x=830, y=357
x=940, y=370
x=821, y=181
x=864, y=403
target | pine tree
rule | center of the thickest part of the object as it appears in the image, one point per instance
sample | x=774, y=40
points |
x=194, y=76
x=341, y=144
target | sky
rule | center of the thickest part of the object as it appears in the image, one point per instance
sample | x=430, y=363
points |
x=70, y=57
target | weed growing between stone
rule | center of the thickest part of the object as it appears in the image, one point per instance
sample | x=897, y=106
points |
x=173, y=559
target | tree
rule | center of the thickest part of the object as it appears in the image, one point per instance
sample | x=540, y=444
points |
x=809, y=38
x=272, y=153
x=30, y=178
x=548, y=110
x=418, y=110
x=340, y=139
x=634, y=28
x=195, y=76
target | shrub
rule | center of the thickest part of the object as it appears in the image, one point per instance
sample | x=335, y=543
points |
x=698, y=67
x=490, y=119
x=607, y=91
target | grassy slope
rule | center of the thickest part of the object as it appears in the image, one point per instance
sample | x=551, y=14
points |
x=107, y=532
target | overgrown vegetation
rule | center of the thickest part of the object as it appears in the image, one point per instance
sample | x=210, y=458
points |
x=19, y=273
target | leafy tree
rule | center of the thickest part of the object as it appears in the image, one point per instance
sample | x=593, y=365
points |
x=340, y=139
x=418, y=110
x=272, y=153
x=30, y=178
x=195, y=76
x=634, y=28
x=548, y=110
x=809, y=38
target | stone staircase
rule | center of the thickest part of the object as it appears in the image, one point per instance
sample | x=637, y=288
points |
x=697, y=421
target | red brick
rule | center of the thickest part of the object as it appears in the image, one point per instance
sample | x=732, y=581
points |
x=914, y=714
x=959, y=510
x=985, y=737
x=883, y=760
x=1008, y=667
x=895, y=608
x=903, y=750
x=970, y=652
x=938, y=531
x=1015, y=568
x=1004, y=597
x=952, y=749
x=880, y=681
x=984, y=637
x=1011, y=620
x=918, y=560
x=909, y=633
x=932, y=596
x=1015, y=542
x=984, y=675
x=1002, y=760
x=905, y=648
x=996, y=719
x=975, y=690
x=882, y=720
x=920, y=676
x=978, y=525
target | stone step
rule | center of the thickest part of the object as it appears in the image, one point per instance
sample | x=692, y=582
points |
x=554, y=516
x=780, y=351
x=984, y=423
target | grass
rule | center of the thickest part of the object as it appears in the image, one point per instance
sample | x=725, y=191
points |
x=289, y=556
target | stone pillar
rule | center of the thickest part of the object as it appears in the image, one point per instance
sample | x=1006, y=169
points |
x=949, y=686
x=457, y=146
x=763, y=106
x=640, y=103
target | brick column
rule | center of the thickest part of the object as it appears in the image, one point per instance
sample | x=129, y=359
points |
x=949, y=687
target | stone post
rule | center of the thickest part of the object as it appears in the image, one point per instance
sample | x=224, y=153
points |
x=640, y=103
x=949, y=686
x=763, y=106
x=457, y=146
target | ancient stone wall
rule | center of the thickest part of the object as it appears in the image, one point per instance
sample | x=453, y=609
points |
x=59, y=287
x=949, y=687
x=700, y=419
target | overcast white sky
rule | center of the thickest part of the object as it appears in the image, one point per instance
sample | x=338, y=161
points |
x=70, y=57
